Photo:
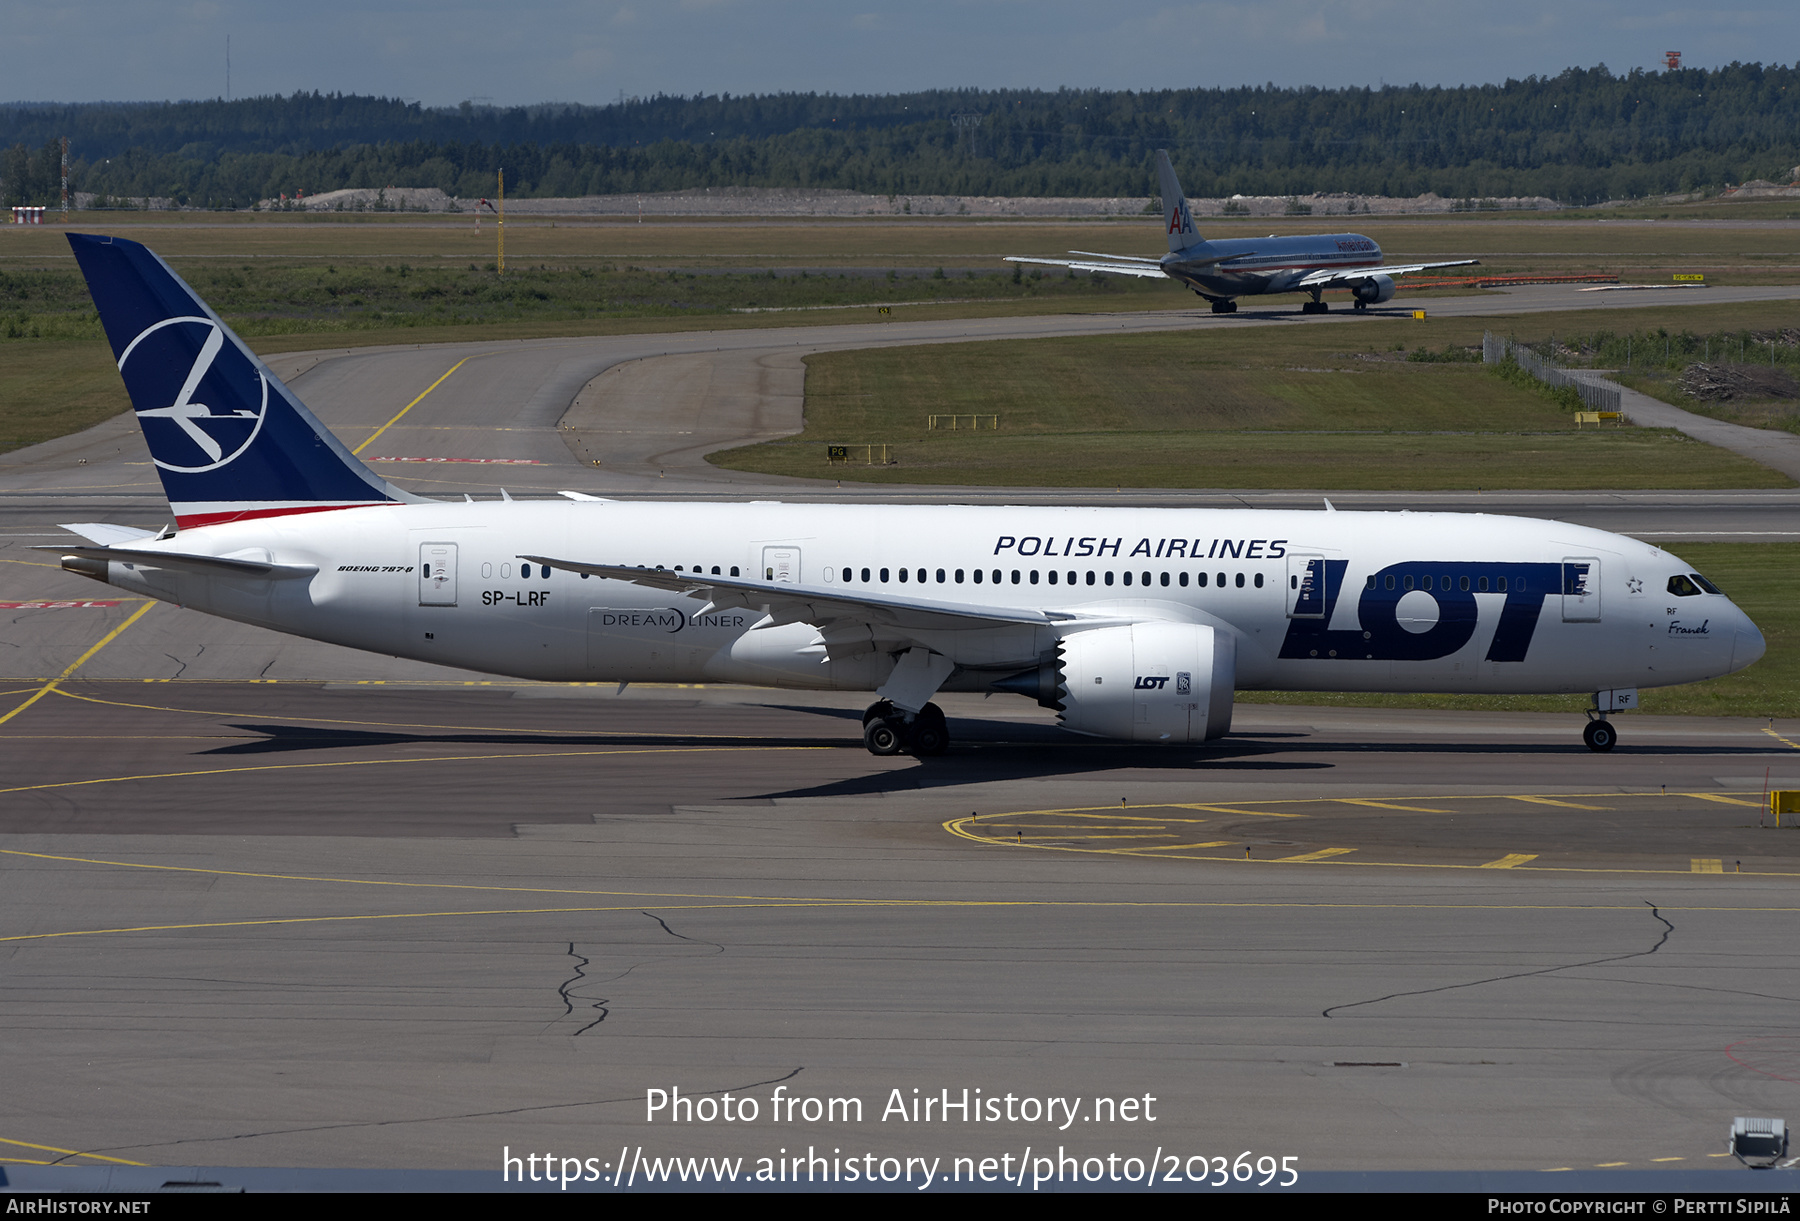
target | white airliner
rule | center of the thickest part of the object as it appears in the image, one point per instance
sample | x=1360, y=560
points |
x=1226, y=269
x=1134, y=624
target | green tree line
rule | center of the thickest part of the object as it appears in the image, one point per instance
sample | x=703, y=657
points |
x=1582, y=136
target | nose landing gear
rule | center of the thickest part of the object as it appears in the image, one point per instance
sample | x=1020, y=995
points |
x=889, y=731
x=1599, y=735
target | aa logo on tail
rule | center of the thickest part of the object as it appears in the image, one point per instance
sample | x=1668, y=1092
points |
x=212, y=399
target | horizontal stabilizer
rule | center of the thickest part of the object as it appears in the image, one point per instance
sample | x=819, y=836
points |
x=212, y=565
x=107, y=534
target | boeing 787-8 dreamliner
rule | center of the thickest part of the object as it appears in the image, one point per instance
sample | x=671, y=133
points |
x=1134, y=624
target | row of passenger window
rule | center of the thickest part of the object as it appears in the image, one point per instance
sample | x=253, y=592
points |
x=525, y=571
x=1680, y=586
x=978, y=576
x=1479, y=585
x=542, y=571
x=996, y=576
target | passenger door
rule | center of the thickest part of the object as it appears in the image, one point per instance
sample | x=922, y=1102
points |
x=1581, y=589
x=1305, y=587
x=437, y=574
x=781, y=564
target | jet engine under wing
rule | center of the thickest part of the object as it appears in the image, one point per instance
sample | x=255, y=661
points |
x=815, y=604
x=1326, y=278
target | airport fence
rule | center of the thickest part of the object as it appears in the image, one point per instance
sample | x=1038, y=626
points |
x=1496, y=349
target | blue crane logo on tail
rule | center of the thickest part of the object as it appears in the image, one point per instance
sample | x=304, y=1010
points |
x=217, y=408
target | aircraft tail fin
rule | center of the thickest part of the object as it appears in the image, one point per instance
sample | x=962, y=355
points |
x=230, y=442
x=1177, y=220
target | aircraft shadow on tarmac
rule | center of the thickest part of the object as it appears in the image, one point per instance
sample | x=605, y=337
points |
x=281, y=739
x=966, y=732
x=982, y=751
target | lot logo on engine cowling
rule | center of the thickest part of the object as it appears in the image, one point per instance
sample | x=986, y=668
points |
x=1147, y=683
x=201, y=402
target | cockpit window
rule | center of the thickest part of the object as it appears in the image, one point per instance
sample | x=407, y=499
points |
x=1681, y=587
x=1705, y=584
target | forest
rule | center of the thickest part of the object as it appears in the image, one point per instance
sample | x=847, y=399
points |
x=1583, y=136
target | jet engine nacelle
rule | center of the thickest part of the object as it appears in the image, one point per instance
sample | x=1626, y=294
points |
x=1374, y=290
x=1149, y=682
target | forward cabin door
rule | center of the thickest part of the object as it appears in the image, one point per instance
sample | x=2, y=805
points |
x=1581, y=589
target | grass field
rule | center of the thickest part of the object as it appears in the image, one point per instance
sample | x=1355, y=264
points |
x=333, y=274
x=1731, y=241
x=1762, y=578
x=1310, y=407
x=289, y=281
x=49, y=389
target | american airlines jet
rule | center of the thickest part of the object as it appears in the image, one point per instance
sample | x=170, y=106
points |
x=1133, y=624
x=1226, y=269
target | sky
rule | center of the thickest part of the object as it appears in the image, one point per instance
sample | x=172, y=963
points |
x=529, y=51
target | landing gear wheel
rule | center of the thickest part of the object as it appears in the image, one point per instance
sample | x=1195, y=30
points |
x=930, y=733
x=1600, y=735
x=1362, y=305
x=883, y=736
x=1315, y=307
x=1224, y=307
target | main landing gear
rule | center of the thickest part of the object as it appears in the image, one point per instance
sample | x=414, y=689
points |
x=889, y=731
x=1224, y=307
x=1318, y=305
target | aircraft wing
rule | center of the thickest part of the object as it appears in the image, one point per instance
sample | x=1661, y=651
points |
x=819, y=605
x=1146, y=270
x=1122, y=258
x=1324, y=279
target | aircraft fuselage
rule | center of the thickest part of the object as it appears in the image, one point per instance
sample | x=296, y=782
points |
x=1268, y=265
x=1313, y=600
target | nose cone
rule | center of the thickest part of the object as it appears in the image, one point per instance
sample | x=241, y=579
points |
x=1747, y=643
